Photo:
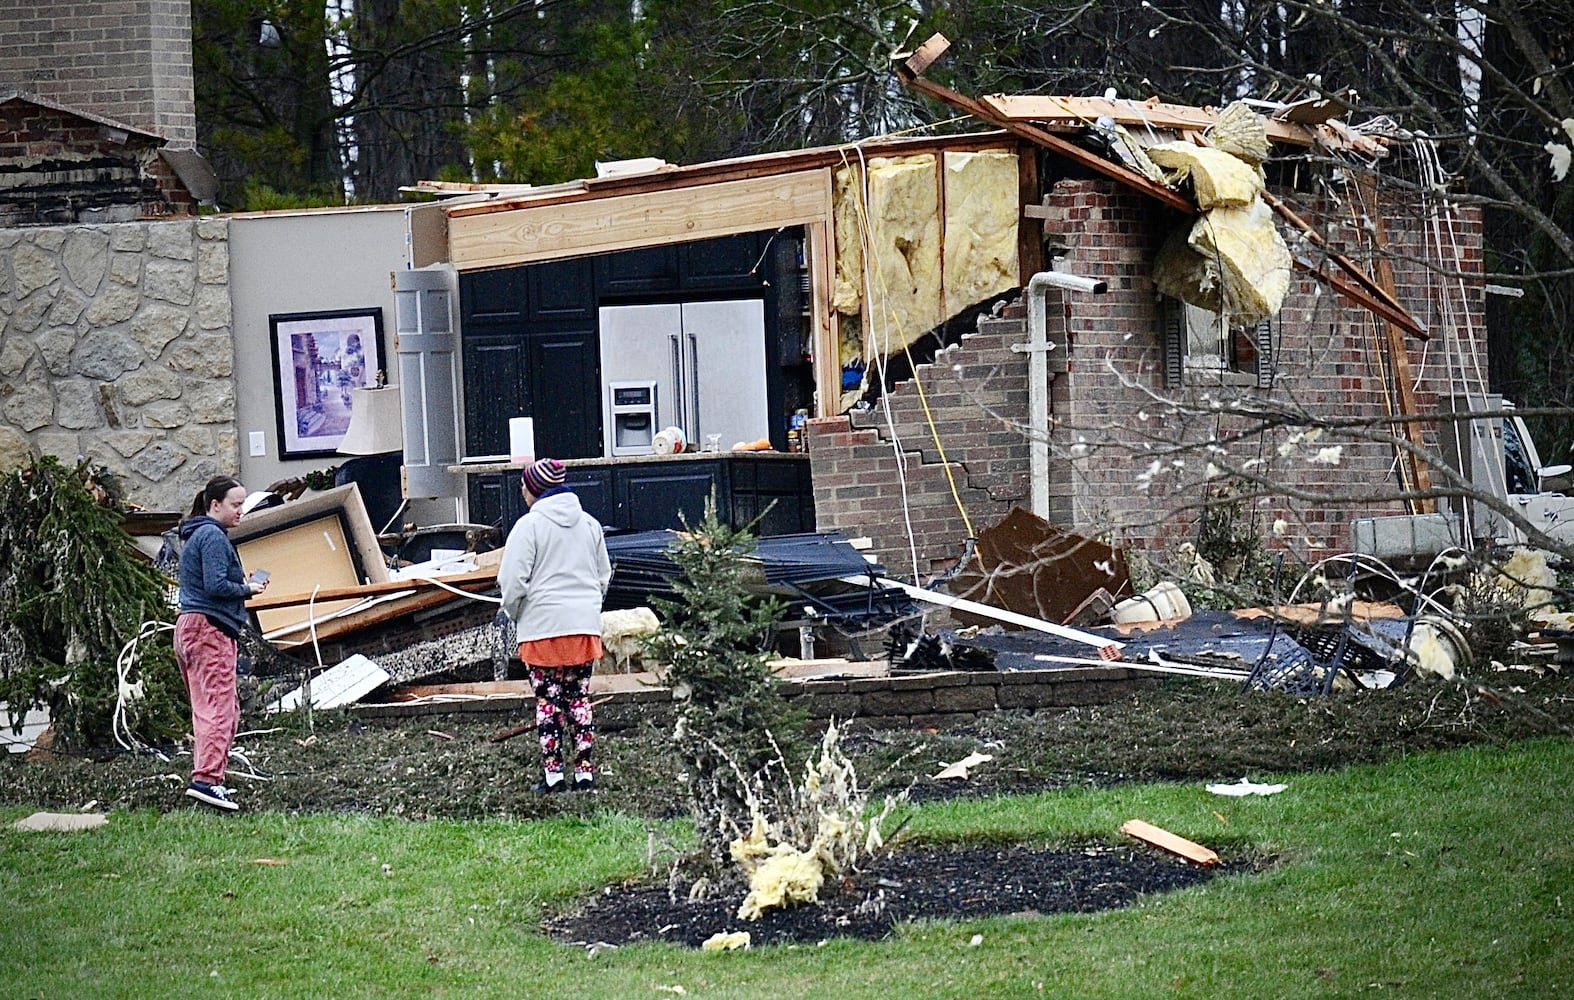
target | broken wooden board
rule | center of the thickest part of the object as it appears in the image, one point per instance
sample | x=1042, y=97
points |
x=1167, y=841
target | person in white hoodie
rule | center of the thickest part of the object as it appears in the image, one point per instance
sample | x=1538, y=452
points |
x=553, y=577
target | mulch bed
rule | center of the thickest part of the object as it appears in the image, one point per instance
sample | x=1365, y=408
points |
x=930, y=883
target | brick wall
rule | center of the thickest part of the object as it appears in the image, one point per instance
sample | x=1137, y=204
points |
x=129, y=60
x=1117, y=461
x=976, y=395
x=59, y=168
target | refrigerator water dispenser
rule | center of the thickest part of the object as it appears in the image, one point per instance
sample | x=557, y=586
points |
x=631, y=412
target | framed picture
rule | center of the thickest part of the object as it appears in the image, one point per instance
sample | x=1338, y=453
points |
x=317, y=359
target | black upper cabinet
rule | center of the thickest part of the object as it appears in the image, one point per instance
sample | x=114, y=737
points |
x=638, y=272
x=723, y=264
x=562, y=291
x=492, y=298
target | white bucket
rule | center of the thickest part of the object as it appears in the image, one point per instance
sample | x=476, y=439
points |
x=1161, y=603
x=1437, y=648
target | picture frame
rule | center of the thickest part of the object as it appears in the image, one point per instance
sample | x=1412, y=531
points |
x=318, y=357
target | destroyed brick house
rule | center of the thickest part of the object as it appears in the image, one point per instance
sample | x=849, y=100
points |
x=146, y=345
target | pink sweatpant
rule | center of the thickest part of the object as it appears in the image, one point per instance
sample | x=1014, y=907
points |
x=206, y=658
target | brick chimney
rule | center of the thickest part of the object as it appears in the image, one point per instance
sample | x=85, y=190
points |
x=129, y=60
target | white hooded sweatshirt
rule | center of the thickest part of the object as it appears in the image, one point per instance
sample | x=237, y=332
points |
x=555, y=570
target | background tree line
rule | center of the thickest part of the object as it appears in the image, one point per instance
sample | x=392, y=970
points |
x=320, y=101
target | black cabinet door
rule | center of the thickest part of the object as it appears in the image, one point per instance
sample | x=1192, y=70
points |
x=594, y=489
x=651, y=497
x=565, y=381
x=497, y=387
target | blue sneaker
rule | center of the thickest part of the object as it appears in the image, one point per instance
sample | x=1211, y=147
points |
x=216, y=796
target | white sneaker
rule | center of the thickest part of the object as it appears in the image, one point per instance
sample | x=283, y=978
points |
x=216, y=796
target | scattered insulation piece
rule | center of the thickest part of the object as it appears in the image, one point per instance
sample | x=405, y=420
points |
x=1241, y=132
x=1217, y=177
x=722, y=941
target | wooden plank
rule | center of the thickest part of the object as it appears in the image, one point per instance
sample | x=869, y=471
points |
x=1167, y=841
x=1050, y=141
x=925, y=55
x=716, y=171
x=1404, y=383
x=1076, y=112
x=824, y=330
x=485, y=575
x=371, y=617
x=619, y=223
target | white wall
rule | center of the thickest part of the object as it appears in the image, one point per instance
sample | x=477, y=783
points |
x=288, y=262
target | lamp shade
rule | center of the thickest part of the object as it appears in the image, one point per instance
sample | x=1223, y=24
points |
x=376, y=423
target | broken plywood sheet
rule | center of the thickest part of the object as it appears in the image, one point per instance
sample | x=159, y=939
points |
x=904, y=234
x=1027, y=565
x=981, y=212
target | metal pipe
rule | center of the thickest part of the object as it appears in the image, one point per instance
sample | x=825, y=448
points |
x=1038, y=375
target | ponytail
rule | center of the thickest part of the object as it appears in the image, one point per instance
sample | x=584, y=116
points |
x=217, y=489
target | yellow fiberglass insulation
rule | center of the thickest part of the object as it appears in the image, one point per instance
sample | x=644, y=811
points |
x=902, y=290
x=778, y=875
x=980, y=226
x=1241, y=132
x=1245, y=263
x=1217, y=177
x=846, y=191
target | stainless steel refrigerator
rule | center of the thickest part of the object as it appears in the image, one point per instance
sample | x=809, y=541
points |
x=697, y=365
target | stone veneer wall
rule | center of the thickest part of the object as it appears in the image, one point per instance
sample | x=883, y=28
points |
x=116, y=345
x=1107, y=390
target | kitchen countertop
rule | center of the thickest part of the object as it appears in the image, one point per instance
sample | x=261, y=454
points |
x=512, y=466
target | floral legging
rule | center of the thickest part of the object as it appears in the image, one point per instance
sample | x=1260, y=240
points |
x=563, y=693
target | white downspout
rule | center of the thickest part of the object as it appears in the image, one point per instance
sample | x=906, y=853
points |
x=1038, y=348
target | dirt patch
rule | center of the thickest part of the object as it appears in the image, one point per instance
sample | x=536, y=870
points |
x=957, y=883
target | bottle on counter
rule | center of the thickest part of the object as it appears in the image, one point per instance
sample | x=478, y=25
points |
x=798, y=431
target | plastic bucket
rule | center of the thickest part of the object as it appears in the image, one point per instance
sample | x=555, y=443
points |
x=1161, y=603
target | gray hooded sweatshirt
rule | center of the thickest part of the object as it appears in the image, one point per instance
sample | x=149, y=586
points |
x=555, y=570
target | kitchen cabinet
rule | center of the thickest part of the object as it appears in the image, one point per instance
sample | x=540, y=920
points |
x=656, y=493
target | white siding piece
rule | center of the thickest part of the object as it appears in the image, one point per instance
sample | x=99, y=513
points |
x=340, y=685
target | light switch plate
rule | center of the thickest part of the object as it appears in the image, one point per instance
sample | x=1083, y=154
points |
x=259, y=444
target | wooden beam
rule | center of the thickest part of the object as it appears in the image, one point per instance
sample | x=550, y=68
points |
x=1421, y=476
x=471, y=580
x=1372, y=295
x=1117, y=171
x=1078, y=112
x=820, y=253
x=604, y=225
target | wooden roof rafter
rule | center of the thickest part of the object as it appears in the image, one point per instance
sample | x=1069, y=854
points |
x=1350, y=281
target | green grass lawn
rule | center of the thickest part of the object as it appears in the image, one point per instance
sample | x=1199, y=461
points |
x=1440, y=875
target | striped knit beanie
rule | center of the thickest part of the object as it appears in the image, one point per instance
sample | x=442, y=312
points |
x=543, y=476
